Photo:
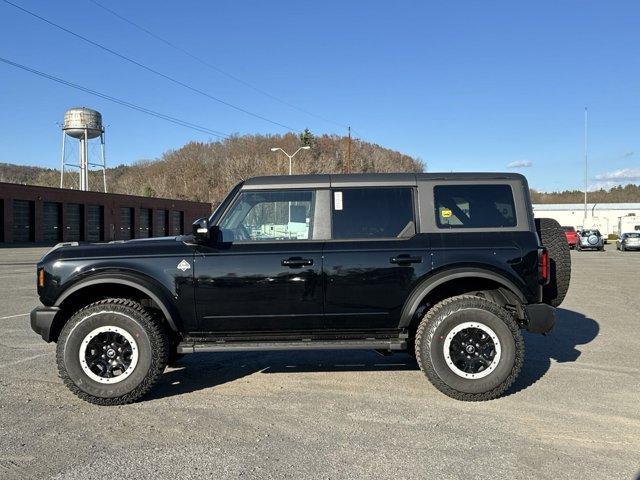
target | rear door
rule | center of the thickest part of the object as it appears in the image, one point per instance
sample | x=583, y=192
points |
x=374, y=257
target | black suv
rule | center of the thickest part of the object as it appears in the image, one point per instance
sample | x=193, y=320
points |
x=449, y=267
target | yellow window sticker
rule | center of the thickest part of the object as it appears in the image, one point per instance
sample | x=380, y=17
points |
x=446, y=213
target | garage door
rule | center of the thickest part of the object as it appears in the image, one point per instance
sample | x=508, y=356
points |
x=126, y=223
x=160, y=229
x=95, y=220
x=1, y=220
x=23, y=221
x=177, y=222
x=51, y=231
x=145, y=223
x=73, y=222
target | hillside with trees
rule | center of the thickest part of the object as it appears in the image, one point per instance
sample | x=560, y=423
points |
x=206, y=171
x=628, y=194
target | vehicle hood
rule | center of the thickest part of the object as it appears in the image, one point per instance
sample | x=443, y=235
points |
x=138, y=246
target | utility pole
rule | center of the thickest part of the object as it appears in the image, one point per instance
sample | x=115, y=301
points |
x=584, y=223
x=348, y=165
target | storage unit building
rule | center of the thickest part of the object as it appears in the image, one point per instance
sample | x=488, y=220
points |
x=31, y=214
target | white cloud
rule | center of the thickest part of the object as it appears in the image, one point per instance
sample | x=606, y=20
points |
x=623, y=175
x=520, y=164
x=614, y=178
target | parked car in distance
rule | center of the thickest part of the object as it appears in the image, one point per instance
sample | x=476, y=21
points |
x=628, y=241
x=590, y=239
x=572, y=236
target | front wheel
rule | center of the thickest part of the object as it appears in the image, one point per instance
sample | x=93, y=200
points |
x=469, y=348
x=112, y=352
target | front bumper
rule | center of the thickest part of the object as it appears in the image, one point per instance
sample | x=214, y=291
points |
x=541, y=317
x=42, y=319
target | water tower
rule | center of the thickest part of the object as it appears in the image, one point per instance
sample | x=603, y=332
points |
x=83, y=124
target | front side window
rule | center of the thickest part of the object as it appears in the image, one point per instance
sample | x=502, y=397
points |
x=474, y=206
x=271, y=216
x=380, y=212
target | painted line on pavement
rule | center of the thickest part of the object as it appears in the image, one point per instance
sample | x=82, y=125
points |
x=14, y=316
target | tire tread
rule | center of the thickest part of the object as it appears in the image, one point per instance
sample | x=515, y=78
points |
x=158, y=338
x=432, y=320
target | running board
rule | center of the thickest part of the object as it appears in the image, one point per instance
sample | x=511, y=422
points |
x=367, y=344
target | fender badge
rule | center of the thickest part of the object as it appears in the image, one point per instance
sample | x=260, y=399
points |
x=183, y=265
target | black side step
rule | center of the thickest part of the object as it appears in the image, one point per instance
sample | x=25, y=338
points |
x=366, y=344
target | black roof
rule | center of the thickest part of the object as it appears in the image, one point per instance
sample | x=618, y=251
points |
x=368, y=179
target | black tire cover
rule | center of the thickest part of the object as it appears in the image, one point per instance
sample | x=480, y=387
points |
x=553, y=238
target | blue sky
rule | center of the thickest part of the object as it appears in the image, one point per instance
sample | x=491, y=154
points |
x=463, y=85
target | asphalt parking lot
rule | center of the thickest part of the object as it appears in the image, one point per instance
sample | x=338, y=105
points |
x=574, y=413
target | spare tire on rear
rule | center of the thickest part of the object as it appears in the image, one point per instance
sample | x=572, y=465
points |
x=553, y=238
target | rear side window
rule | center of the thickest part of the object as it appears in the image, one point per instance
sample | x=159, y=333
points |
x=373, y=213
x=474, y=206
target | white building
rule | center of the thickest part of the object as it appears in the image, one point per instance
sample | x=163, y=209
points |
x=609, y=218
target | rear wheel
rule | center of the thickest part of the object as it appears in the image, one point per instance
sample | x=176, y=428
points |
x=112, y=352
x=553, y=238
x=469, y=348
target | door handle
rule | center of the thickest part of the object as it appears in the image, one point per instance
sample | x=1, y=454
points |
x=405, y=259
x=296, y=262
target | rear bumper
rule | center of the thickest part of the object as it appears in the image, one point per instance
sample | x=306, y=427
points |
x=42, y=320
x=541, y=317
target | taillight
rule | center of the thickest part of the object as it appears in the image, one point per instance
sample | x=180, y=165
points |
x=543, y=266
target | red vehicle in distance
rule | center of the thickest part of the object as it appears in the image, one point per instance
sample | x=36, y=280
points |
x=572, y=236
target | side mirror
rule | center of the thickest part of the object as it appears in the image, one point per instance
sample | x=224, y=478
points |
x=203, y=233
x=200, y=229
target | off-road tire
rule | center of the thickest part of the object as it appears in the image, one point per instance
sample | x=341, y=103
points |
x=152, y=345
x=553, y=238
x=446, y=315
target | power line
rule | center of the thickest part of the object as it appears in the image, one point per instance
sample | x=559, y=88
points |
x=130, y=105
x=211, y=66
x=145, y=67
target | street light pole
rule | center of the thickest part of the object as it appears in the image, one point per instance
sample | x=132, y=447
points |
x=275, y=149
x=586, y=176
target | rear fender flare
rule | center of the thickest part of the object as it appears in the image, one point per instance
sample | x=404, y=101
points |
x=430, y=283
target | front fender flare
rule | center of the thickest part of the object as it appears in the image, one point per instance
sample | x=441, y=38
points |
x=139, y=283
x=430, y=283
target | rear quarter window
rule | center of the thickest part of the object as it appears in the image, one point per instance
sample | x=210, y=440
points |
x=474, y=206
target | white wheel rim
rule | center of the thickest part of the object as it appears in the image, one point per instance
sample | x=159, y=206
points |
x=82, y=354
x=447, y=348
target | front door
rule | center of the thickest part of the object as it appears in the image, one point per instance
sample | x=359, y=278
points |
x=267, y=273
x=374, y=258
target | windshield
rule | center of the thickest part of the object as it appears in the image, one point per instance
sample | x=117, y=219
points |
x=633, y=235
x=586, y=233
